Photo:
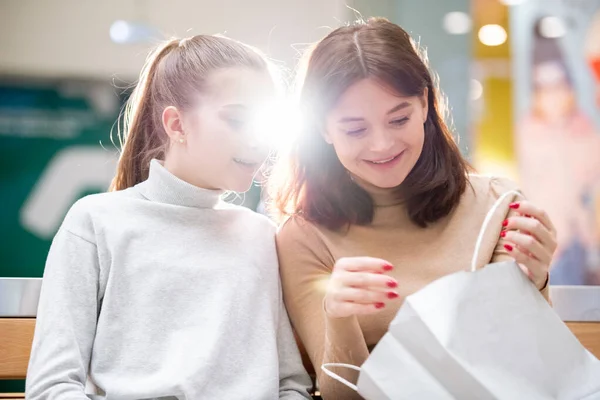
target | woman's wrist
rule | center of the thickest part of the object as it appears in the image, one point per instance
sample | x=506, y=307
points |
x=545, y=285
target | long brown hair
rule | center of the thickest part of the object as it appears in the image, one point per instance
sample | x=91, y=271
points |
x=312, y=182
x=172, y=75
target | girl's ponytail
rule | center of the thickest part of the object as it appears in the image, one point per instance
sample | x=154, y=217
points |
x=137, y=136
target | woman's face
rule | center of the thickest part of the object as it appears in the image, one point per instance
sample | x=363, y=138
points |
x=377, y=134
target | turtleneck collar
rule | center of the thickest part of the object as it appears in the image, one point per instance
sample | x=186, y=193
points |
x=382, y=197
x=389, y=209
x=164, y=187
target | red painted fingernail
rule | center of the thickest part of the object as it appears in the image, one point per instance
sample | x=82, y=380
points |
x=508, y=247
x=514, y=206
x=388, y=267
x=392, y=295
x=505, y=223
x=379, y=305
x=503, y=234
x=392, y=284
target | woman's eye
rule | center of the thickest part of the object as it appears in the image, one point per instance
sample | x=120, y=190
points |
x=400, y=121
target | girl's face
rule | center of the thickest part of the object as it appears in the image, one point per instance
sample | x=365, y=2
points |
x=377, y=134
x=223, y=145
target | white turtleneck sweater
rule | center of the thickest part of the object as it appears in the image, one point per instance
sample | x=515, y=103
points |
x=163, y=291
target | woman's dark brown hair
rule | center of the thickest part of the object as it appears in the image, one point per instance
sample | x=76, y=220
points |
x=311, y=181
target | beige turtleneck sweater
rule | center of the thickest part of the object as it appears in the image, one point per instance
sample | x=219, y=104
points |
x=307, y=253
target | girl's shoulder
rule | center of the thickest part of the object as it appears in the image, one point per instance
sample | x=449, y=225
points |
x=93, y=203
x=84, y=212
x=246, y=216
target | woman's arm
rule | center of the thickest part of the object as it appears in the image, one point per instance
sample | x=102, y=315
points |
x=306, y=266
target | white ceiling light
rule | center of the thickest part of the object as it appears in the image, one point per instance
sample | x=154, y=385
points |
x=457, y=23
x=126, y=32
x=492, y=35
x=552, y=27
x=120, y=31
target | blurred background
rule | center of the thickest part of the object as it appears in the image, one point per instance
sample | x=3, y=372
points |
x=522, y=79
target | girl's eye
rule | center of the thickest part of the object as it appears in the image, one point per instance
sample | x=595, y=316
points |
x=235, y=123
x=356, y=132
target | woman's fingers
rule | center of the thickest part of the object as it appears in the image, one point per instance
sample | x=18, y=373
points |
x=537, y=271
x=363, y=264
x=527, y=208
x=534, y=227
x=529, y=245
x=358, y=287
x=366, y=280
x=364, y=296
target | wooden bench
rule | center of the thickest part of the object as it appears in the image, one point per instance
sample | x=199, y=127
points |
x=588, y=334
x=16, y=335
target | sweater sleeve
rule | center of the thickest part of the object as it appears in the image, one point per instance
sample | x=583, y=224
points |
x=294, y=382
x=66, y=320
x=497, y=188
x=306, y=266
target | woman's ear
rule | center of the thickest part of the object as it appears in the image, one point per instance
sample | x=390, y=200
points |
x=425, y=103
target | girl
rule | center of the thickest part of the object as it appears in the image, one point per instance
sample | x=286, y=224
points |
x=380, y=199
x=159, y=289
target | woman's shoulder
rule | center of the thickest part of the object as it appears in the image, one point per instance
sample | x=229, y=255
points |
x=296, y=233
x=487, y=189
x=295, y=228
x=481, y=195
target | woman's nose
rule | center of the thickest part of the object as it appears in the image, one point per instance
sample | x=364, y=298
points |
x=381, y=141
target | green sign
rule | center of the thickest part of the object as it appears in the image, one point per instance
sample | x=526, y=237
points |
x=55, y=147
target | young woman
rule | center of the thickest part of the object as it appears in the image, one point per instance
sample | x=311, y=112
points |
x=159, y=289
x=379, y=199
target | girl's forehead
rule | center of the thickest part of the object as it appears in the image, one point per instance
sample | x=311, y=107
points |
x=240, y=86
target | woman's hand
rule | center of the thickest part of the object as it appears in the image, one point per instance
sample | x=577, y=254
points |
x=531, y=240
x=358, y=286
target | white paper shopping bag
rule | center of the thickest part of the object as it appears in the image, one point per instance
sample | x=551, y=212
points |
x=486, y=334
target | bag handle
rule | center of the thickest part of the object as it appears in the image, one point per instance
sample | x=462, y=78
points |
x=485, y=224
x=339, y=378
